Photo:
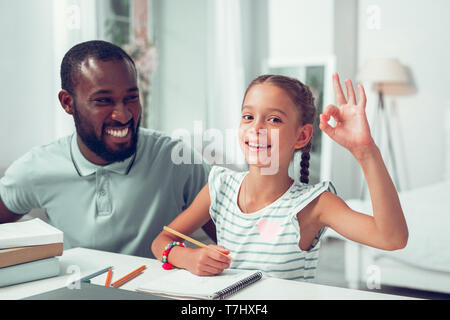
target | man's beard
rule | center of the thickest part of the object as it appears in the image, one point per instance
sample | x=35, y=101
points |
x=98, y=146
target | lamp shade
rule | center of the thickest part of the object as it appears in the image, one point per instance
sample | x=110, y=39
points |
x=387, y=75
x=383, y=70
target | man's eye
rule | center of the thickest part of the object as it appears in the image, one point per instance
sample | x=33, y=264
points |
x=103, y=100
x=132, y=98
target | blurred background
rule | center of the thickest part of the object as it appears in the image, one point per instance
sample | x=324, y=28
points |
x=195, y=59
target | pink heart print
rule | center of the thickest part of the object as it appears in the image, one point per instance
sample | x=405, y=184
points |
x=268, y=230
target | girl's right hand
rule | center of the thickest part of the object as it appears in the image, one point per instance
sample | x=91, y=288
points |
x=352, y=128
x=207, y=262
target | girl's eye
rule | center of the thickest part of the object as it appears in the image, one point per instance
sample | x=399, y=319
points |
x=247, y=117
x=275, y=120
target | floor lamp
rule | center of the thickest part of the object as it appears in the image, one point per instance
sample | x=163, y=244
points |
x=388, y=77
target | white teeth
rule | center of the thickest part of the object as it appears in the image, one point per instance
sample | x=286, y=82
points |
x=117, y=133
x=255, y=145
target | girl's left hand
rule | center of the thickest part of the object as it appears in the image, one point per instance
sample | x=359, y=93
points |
x=352, y=128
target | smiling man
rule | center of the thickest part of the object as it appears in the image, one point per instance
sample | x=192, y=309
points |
x=111, y=185
x=105, y=106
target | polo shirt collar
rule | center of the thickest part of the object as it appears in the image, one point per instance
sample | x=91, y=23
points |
x=85, y=168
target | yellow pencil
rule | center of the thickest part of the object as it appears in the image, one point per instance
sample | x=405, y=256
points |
x=198, y=243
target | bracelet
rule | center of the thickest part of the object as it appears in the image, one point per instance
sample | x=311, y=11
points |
x=166, y=265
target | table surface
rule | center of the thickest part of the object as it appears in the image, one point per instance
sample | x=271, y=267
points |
x=79, y=262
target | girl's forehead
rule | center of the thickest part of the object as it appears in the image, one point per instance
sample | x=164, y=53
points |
x=266, y=95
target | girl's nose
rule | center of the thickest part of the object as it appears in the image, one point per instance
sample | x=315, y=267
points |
x=259, y=128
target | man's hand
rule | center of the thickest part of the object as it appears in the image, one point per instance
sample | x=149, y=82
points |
x=6, y=215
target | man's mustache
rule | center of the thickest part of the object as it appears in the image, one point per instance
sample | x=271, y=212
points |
x=117, y=124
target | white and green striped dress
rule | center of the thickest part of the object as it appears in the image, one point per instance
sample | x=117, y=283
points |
x=268, y=239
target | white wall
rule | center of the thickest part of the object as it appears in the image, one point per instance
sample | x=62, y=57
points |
x=26, y=77
x=300, y=28
x=180, y=95
x=35, y=36
x=417, y=33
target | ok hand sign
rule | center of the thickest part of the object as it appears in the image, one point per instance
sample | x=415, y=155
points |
x=352, y=128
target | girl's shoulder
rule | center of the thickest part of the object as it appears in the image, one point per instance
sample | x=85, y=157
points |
x=304, y=188
x=219, y=174
x=301, y=194
x=224, y=182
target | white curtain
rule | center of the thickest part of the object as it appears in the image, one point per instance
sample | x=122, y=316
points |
x=74, y=21
x=225, y=74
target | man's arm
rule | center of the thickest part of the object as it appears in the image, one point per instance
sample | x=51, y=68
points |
x=210, y=230
x=6, y=215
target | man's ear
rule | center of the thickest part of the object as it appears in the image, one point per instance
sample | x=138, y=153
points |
x=66, y=100
x=304, y=136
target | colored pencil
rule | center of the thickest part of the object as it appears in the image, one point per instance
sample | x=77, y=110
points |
x=108, y=278
x=198, y=243
x=128, y=277
x=93, y=275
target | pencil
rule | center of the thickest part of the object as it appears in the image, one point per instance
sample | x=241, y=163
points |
x=198, y=243
x=128, y=277
x=87, y=278
x=108, y=278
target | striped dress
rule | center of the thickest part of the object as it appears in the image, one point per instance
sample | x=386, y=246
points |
x=268, y=239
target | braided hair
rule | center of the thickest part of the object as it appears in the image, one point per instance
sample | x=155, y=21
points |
x=303, y=99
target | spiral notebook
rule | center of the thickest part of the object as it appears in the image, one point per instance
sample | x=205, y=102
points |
x=183, y=284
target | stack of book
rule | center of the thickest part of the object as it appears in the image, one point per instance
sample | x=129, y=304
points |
x=28, y=251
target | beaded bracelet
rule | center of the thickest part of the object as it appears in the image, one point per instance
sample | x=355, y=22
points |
x=166, y=265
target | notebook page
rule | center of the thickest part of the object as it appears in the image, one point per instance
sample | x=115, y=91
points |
x=182, y=283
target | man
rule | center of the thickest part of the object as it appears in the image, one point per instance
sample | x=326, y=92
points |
x=109, y=186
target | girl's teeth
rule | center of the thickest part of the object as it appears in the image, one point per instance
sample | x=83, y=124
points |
x=257, y=145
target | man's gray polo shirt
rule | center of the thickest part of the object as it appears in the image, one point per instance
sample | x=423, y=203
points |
x=120, y=207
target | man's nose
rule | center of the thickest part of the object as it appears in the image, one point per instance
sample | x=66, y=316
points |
x=121, y=113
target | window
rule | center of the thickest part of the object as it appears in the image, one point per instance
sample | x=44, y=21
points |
x=126, y=23
x=118, y=22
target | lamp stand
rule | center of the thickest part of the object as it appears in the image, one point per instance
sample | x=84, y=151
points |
x=391, y=154
x=389, y=139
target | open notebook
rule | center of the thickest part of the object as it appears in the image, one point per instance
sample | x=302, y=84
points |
x=183, y=284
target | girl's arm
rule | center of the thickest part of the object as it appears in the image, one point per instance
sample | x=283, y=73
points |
x=387, y=228
x=200, y=261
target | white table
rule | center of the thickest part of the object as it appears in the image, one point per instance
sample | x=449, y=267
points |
x=79, y=262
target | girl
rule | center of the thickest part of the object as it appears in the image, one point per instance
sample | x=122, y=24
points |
x=266, y=220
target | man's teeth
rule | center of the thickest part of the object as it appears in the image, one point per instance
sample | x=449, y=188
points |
x=117, y=133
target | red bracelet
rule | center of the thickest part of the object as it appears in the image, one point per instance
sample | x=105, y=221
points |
x=166, y=265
